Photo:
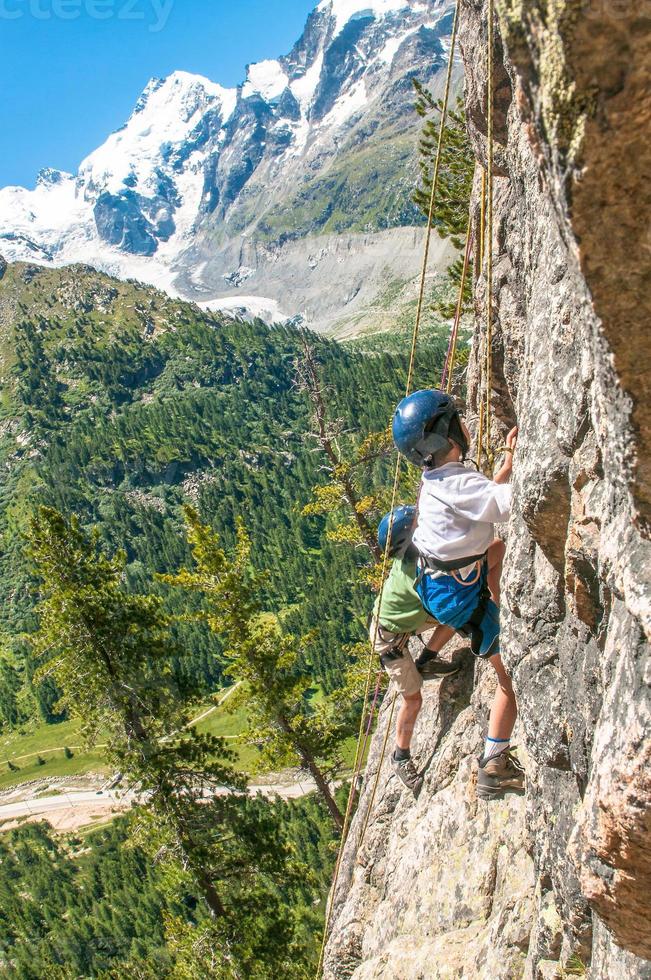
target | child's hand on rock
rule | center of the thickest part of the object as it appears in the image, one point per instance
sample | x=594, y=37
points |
x=504, y=472
x=512, y=439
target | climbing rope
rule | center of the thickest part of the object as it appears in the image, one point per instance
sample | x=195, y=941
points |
x=480, y=427
x=369, y=725
x=482, y=218
x=369, y=808
x=487, y=236
x=394, y=496
x=482, y=232
x=450, y=360
x=432, y=201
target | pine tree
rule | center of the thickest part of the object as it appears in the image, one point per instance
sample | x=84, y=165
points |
x=454, y=186
x=263, y=659
x=343, y=497
x=109, y=652
x=457, y=166
x=10, y=685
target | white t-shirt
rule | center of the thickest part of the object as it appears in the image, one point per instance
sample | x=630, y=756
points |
x=457, y=509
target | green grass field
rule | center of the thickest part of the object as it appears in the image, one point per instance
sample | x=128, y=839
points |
x=22, y=748
x=48, y=741
x=231, y=725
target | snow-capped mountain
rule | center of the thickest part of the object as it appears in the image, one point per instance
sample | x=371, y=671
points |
x=140, y=189
x=211, y=192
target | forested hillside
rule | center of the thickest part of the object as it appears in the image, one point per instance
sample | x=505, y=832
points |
x=120, y=404
x=97, y=906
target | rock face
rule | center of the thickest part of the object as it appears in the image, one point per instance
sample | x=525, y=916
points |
x=562, y=880
x=442, y=886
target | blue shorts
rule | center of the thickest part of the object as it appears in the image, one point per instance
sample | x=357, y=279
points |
x=452, y=603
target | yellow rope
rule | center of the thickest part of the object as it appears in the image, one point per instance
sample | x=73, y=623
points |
x=482, y=218
x=367, y=815
x=484, y=419
x=357, y=766
x=394, y=497
x=484, y=428
x=480, y=428
x=432, y=200
x=480, y=391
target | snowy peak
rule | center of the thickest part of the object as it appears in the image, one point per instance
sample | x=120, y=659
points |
x=185, y=91
x=152, y=86
x=343, y=11
x=271, y=78
x=167, y=116
x=198, y=167
x=48, y=177
x=265, y=78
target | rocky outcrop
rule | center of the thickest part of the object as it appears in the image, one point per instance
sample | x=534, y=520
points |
x=441, y=886
x=571, y=366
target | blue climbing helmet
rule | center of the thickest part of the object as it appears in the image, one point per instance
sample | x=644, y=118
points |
x=401, y=531
x=424, y=423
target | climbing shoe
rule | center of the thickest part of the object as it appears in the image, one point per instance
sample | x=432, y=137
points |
x=407, y=773
x=433, y=668
x=496, y=775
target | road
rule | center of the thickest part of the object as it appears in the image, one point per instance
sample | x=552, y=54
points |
x=77, y=808
x=67, y=811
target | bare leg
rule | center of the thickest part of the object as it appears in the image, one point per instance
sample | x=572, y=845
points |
x=505, y=709
x=500, y=771
x=495, y=559
x=440, y=637
x=411, y=705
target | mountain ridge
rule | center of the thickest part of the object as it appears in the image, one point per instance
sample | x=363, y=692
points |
x=316, y=142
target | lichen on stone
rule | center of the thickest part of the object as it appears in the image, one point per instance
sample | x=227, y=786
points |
x=547, y=27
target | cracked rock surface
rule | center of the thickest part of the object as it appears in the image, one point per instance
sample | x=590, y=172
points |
x=446, y=886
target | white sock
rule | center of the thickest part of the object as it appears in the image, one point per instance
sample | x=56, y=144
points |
x=494, y=746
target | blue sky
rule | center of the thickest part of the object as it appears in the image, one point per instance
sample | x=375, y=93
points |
x=71, y=70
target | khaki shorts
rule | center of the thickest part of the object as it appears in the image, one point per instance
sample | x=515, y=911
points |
x=393, y=649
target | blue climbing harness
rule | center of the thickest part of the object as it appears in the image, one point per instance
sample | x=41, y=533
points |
x=465, y=606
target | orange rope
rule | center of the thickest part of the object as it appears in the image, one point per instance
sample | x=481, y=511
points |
x=449, y=368
x=489, y=234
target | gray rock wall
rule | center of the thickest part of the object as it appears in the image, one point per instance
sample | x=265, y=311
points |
x=447, y=886
x=441, y=886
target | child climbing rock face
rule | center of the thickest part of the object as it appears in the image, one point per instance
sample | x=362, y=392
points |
x=398, y=616
x=460, y=557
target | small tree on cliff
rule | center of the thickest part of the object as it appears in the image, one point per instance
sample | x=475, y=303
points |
x=264, y=659
x=457, y=166
x=354, y=511
x=454, y=186
x=110, y=654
